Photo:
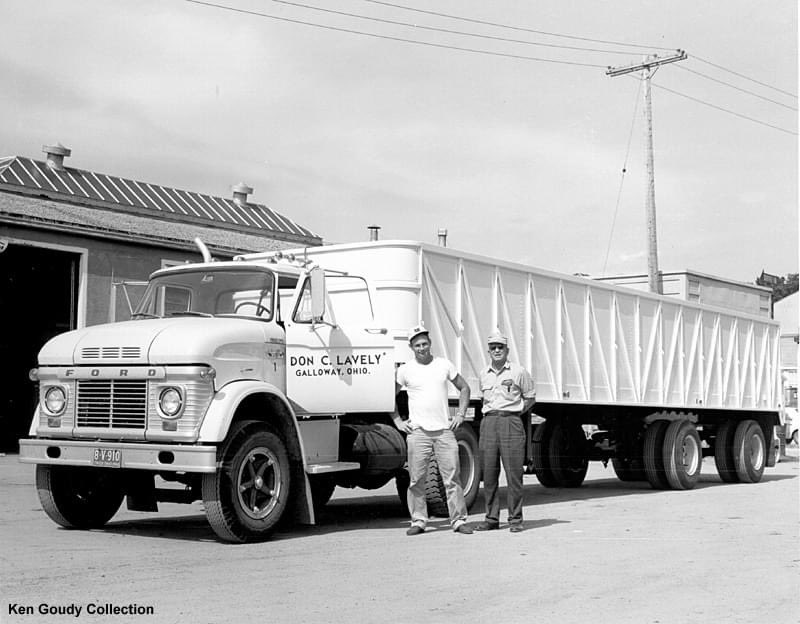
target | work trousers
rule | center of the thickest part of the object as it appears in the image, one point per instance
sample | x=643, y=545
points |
x=442, y=444
x=502, y=437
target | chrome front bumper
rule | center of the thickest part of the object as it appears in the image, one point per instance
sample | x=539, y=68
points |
x=136, y=456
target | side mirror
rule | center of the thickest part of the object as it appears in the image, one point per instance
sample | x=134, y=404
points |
x=317, y=276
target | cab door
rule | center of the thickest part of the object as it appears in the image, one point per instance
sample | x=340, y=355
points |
x=337, y=359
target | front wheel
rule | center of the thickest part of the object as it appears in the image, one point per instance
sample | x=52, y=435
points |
x=246, y=497
x=77, y=497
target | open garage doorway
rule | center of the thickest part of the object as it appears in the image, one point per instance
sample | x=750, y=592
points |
x=38, y=299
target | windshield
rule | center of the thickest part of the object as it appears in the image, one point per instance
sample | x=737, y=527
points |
x=221, y=292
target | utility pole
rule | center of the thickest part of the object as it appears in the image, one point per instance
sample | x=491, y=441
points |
x=649, y=66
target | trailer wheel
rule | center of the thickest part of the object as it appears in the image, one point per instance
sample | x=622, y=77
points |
x=246, y=497
x=77, y=497
x=540, y=455
x=469, y=470
x=749, y=451
x=629, y=468
x=723, y=452
x=683, y=455
x=567, y=455
x=654, y=454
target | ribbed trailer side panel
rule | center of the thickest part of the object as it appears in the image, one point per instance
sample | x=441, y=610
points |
x=586, y=342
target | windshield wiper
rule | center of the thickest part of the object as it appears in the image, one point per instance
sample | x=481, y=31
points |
x=144, y=315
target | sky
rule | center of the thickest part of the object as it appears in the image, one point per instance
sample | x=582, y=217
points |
x=518, y=156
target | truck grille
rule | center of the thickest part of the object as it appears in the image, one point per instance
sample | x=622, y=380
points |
x=111, y=353
x=112, y=403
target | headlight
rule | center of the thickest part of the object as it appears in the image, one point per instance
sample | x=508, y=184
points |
x=170, y=402
x=55, y=400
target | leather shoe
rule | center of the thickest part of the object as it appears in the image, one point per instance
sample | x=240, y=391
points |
x=463, y=528
x=516, y=528
x=487, y=526
x=415, y=530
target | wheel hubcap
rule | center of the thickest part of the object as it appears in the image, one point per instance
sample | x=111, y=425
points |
x=259, y=483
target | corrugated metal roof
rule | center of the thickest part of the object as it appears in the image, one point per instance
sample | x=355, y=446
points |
x=72, y=185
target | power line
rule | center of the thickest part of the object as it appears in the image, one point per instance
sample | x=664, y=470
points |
x=727, y=84
x=622, y=178
x=520, y=28
x=449, y=31
x=730, y=71
x=401, y=39
x=725, y=110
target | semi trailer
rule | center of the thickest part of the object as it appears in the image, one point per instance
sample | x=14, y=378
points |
x=258, y=385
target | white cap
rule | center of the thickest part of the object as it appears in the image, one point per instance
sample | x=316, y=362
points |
x=416, y=331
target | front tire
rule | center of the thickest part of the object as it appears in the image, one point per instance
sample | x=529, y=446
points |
x=247, y=496
x=77, y=497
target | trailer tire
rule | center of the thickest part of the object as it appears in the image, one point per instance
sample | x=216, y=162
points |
x=723, y=452
x=77, y=497
x=567, y=455
x=749, y=451
x=246, y=497
x=540, y=455
x=469, y=472
x=683, y=455
x=629, y=468
x=654, y=454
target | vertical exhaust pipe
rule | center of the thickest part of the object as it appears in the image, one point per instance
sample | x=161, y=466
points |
x=443, y=237
x=203, y=250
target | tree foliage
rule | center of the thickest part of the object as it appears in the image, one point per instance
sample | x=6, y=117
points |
x=781, y=286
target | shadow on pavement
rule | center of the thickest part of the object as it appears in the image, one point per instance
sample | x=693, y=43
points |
x=348, y=512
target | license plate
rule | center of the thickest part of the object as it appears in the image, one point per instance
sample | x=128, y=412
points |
x=109, y=458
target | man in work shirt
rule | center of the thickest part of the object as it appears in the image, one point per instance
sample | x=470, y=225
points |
x=508, y=392
x=430, y=430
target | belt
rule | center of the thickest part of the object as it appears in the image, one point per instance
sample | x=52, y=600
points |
x=502, y=413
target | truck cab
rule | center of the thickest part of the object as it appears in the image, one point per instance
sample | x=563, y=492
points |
x=231, y=378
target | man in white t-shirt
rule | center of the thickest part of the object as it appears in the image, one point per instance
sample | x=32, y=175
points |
x=430, y=430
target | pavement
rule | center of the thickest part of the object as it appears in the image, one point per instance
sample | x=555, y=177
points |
x=607, y=552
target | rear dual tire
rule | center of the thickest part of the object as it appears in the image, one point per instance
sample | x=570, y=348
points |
x=469, y=473
x=740, y=451
x=673, y=455
x=559, y=453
